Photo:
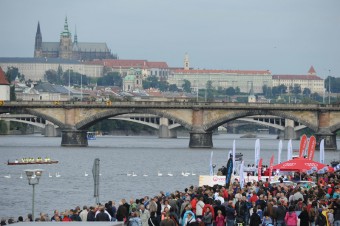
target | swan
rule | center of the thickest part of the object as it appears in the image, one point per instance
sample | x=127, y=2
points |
x=86, y=174
x=128, y=174
x=159, y=174
x=133, y=174
x=49, y=175
x=20, y=176
x=7, y=176
x=170, y=174
x=57, y=174
x=145, y=175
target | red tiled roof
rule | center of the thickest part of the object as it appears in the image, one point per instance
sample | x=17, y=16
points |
x=3, y=79
x=204, y=71
x=296, y=77
x=130, y=63
x=157, y=65
x=311, y=71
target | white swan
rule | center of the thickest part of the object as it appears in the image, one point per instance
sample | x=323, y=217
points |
x=86, y=174
x=133, y=174
x=57, y=174
x=128, y=174
x=170, y=174
x=49, y=175
x=145, y=175
x=20, y=176
x=7, y=176
x=159, y=174
x=192, y=173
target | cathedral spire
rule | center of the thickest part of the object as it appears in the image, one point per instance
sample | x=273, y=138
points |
x=38, y=42
x=75, y=35
x=66, y=32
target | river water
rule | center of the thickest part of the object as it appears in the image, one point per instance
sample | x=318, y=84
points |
x=118, y=156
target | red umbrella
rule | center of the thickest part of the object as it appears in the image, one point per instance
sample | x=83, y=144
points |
x=299, y=164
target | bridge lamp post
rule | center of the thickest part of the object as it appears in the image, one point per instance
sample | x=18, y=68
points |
x=69, y=83
x=81, y=87
x=213, y=166
x=33, y=177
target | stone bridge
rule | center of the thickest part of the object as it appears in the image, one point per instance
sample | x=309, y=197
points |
x=74, y=118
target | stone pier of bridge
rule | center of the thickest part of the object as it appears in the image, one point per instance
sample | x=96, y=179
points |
x=198, y=137
x=325, y=132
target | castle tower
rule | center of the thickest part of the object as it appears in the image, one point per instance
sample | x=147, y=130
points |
x=311, y=71
x=75, y=48
x=186, y=62
x=38, y=43
x=65, y=45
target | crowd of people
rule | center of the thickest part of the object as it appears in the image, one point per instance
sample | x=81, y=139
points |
x=257, y=203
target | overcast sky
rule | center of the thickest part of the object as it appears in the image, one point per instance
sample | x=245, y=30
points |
x=283, y=36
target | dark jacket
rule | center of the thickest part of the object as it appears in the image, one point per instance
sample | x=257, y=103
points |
x=91, y=216
x=230, y=213
x=280, y=213
x=102, y=216
x=121, y=213
x=255, y=220
x=304, y=218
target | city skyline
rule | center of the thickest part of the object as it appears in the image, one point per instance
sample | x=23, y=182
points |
x=285, y=37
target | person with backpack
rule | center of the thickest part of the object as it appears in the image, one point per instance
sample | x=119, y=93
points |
x=267, y=220
x=291, y=218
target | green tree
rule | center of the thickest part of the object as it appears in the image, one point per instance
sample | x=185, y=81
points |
x=237, y=90
x=186, y=86
x=209, y=91
x=13, y=73
x=230, y=91
x=306, y=91
x=296, y=89
x=52, y=77
x=173, y=88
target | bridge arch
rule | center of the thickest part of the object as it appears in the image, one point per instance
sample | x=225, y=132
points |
x=243, y=113
x=335, y=127
x=89, y=121
x=46, y=117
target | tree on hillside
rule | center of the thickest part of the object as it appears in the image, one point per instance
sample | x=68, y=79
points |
x=13, y=73
x=306, y=91
x=296, y=89
x=230, y=91
x=186, y=86
x=110, y=79
x=209, y=91
x=173, y=88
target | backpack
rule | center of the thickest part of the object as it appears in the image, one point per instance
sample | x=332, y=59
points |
x=291, y=219
x=321, y=220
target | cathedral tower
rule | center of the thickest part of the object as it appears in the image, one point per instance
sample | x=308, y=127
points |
x=38, y=43
x=65, y=45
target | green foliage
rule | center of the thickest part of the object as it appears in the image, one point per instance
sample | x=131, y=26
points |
x=279, y=90
x=296, y=89
x=12, y=73
x=153, y=82
x=110, y=79
x=209, y=91
x=12, y=94
x=306, y=92
x=334, y=84
x=173, y=88
x=230, y=91
x=186, y=86
x=3, y=127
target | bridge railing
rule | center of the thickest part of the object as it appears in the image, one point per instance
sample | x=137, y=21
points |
x=166, y=104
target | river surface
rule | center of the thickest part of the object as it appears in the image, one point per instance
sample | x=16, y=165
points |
x=118, y=156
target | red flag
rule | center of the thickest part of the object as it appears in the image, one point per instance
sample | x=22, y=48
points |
x=303, y=144
x=271, y=167
x=311, y=147
x=259, y=169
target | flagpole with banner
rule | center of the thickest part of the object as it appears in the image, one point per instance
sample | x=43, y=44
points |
x=242, y=174
x=257, y=152
x=279, y=152
x=311, y=147
x=229, y=172
x=259, y=170
x=211, y=165
x=95, y=172
x=234, y=150
x=289, y=150
x=303, y=145
x=271, y=167
x=322, y=151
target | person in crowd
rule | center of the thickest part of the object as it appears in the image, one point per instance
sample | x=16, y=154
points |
x=153, y=220
x=255, y=219
x=220, y=219
x=304, y=217
x=167, y=221
x=91, y=215
x=144, y=215
x=101, y=215
x=83, y=214
x=291, y=217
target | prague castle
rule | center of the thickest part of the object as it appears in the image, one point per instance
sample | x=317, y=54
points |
x=68, y=49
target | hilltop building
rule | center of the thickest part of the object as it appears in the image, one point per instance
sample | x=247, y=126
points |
x=4, y=86
x=133, y=80
x=68, y=49
x=310, y=81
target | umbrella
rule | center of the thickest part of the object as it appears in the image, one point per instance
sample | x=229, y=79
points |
x=299, y=164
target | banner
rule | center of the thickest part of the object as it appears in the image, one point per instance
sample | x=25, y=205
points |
x=279, y=152
x=259, y=170
x=322, y=151
x=303, y=145
x=211, y=180
x=229, y=172
x=289, y=150
x=271, y=167
x=257, y=151
x=234, y=150
x=241, y=175
x=311, y=147
x=211, y=165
